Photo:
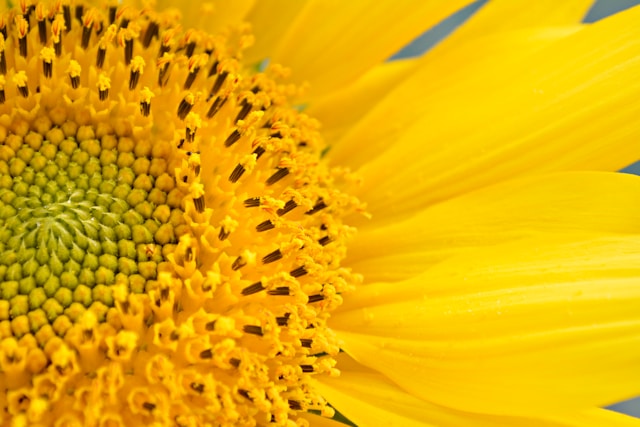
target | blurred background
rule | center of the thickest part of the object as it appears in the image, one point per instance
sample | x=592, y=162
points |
x=601, y=9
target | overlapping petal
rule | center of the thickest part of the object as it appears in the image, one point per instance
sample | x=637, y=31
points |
x=369, y=399
x=539, y=325
x=593, y=202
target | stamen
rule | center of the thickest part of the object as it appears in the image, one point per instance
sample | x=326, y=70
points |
x=57, y=27
x=47, y=55
x=237, y=173
x=280, y=291
x=215, y=107
x=318, y=207
x=145, y=101
x=74, y=73
x=288, y=207
x=2, y=94
x=137, y=67
x=265, y=226
x=186, y=105
x=42, y=23
x=22, y=27
x=232, y=138
x=283, y=320
x=298, y=272
x=253, y=202
x=238, y=263
x=272, y=257
x=277, y=176
x=20, y=79
x=104, y=83
x=252, y=329
x=325, y=241
x=87, y=22
x=153, y=30
x=315, y=298
x=3, y=59
x=199, y=204
x=218, y=83
x=66, y=10
x=253, y=289
x=245, y=109
x=223, y=234
x=306, y=342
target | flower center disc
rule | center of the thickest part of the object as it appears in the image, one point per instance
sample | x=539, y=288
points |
x=170, y=240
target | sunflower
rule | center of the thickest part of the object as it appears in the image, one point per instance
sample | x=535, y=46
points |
x=192, y=234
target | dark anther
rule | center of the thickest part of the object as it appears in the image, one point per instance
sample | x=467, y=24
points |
x=280, y=291
x=197, y=387
x=323, y=227
x=277, y=176
x=103, y=94
x=79, y=12
x=23, y=46
x=232, y=138
x=253, y=289
x=190, y=135
x=238, y=263
x=295, y=405
x=298, y=272
x=124, y=23
x=47, y=69
x=315, y=298
x=191, y=78
x=128, y=51
x=265, y=225
x=216, y=106
x=276, y=135
x=245, y=394
x=2, y=96
x=174, y=336
x=288, y=207
x=75, y=81
x=112, y=14
x=210, y=326
x=253, y=202
x=149, y=406
x=325, y=241
x=206, y=354
x=57, y=46
x=283, y=320
x=223, y=234
x=318, y=207
x=150, y=33
x=87, y=334
x=272, y=257
x=42, y=31
x=24, y=91
x=180, y=144
x=102, y=54
x=191, y=47
x=66, y=13
x=244, y=110
x=3, y=63
x=234, y=362
x=219, y=81
x=145, y=108
x=237, y=173
x=86, y=36
x=188, y=254
x=306, y=342
x=163, y=49
x=259, y=151
x=184, y=108
x=306, y=368
x=199, y=203
x=134, y=77
x=252, y=329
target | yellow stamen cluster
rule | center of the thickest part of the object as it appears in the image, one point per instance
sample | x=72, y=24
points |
x=170, y=240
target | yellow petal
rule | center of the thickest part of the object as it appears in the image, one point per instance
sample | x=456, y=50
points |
x=437, y=74
x=536, y=326
x=369, y=399
x=333, y=42
x=550, y=111
x=590, y=202
x=339, y=110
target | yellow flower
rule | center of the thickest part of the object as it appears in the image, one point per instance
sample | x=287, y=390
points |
x=181, y=244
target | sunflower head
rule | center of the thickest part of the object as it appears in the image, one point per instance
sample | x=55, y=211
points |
x=170, y=240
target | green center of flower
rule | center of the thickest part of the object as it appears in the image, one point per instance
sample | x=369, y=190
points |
x=79, y=214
